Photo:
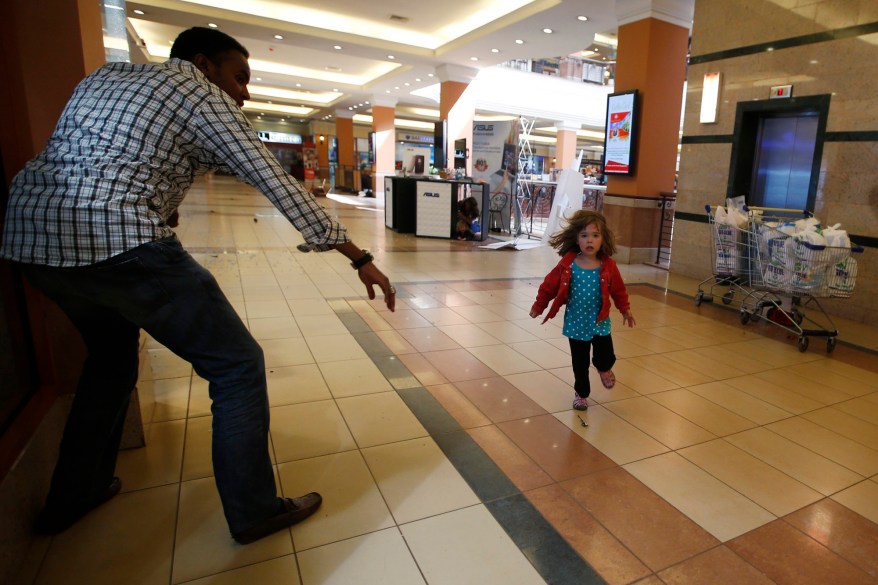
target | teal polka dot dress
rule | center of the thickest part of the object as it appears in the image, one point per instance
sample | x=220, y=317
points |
x=584, y=304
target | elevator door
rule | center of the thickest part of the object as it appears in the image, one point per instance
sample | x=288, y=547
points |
x=783, y=163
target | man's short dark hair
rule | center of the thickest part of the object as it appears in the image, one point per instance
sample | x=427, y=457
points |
x=207, y=41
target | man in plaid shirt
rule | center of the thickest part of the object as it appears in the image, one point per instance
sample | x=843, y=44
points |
x=89, y=223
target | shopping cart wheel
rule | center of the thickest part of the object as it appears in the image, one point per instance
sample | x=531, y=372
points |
x=699, y=296
x=830, y=345
x=727, y=298
x=803, y=344
x=798, y=317
x=745, y=317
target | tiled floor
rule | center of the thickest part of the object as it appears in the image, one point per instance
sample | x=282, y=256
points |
x=442, y=438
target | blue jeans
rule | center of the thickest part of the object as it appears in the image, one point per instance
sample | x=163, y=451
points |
x=160, y=288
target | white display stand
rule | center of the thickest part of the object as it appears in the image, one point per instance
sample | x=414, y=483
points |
x=388, y=202
x=434, y=209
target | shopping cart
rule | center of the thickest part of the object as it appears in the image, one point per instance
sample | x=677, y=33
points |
x=732, y=259
x=789, y=275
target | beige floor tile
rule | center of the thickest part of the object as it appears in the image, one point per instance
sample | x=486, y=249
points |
x=199, y=397
x=417, y=480
x=853, y=455
x=818, y=372
x=718, y=354
x=354, y=377
x=612, y=435
x=681, y=374
x=376, y=419
x=161, y=363
x=503, y=359
x=765, y=485
x=335, y=348
x=204, y=546
x=780, y=353
x=279, y=571
x=658, y=422
x=647, y=339
x=643, y=381
x=405, y=319
x=739, y=402
x=708, y=415
x=163, y=400
x=476, y=313
x=296, y=384
x=862, y=498
x=352, y=504
x=773, y=394
x=197, y=462
x=598, y=394
x=803, y=385
x=263, y=293
x=865, y=408
x=482, y=551
x=713, y=364
x=799, y=463
x=845, y=424
x=317, y=325
x=428, y=339
x=286, y=352
x=311, y=429
x=267, y=309
x=710, y=503
x=506, y=331
x=687, y=339
x=549, y=330
x=441, y=316
x=274, y=328
x=395, y=342
x=97, y=550
x=159, y=462
x=625, y=348
x=468, y=335
x=547, y=390
x=543, y=353
x=379, y=558
x=851, y=371
x=376, y=322
x=305, y=307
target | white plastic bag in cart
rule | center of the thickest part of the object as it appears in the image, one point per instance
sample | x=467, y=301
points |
x=809, y=270
x=842, y=276
x=837, y=238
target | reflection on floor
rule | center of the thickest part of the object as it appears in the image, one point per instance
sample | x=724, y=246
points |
x=442, y=438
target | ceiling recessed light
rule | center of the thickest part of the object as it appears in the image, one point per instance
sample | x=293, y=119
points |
x=279, y=37
x=430, y=75
x=548, y=31
x=495, y=50
x=212, y=25
x=391, y=57
x=334, y=89
x=407, y=84
x=582, y=18
x=258, y=79
x=417, y=79
x=337, y=47
x=519, y=42
x=138, y=11
x=298, y=85
x=473, y=58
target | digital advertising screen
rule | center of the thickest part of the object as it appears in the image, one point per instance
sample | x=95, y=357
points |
x=620, y=134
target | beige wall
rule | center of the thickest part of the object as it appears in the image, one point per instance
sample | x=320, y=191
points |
x=847, y=69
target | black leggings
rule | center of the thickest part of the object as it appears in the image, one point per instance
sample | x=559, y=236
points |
x=604, y=358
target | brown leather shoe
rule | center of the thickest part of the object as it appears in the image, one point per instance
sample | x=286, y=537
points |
x=293, y=511
x=54, y=521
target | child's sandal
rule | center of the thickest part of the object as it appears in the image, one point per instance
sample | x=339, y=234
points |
x=608, y=379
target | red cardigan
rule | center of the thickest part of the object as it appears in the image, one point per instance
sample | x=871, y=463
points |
x=556, y=286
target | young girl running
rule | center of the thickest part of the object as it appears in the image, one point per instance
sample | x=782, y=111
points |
x=585, y=278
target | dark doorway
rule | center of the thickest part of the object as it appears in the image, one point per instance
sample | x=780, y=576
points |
x=777, y=149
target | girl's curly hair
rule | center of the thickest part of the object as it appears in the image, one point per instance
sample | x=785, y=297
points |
x=566, y=240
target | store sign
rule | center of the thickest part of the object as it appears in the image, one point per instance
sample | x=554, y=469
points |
x=415, y=138
x=280, y=137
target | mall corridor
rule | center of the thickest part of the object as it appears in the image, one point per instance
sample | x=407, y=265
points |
x=443, y=440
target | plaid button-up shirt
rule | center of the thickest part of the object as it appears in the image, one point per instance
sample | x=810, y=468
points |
x=128, y=146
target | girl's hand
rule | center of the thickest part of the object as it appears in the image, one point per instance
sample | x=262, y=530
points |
x=534, y=314
x=628, y=319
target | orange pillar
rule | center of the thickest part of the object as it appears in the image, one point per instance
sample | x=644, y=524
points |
x=565, y=147
x=384, y=128
x=344, y=133
x=456, y=108
x=651, y=58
